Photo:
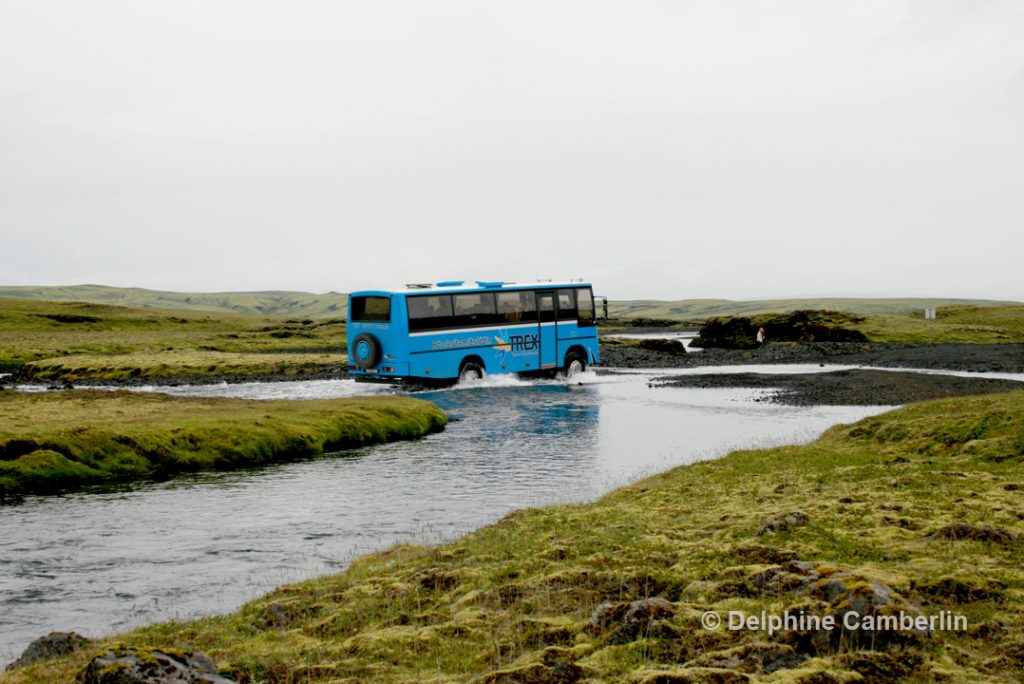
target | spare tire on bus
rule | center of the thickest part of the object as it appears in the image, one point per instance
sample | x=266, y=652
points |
x=365, y=351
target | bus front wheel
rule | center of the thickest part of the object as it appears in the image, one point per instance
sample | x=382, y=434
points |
x=470, y=371
x=575, y=364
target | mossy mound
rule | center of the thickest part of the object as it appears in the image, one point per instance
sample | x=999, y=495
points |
x=740, y=332
x=56, y=441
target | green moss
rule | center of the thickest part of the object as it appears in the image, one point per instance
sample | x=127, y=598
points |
x=60, y=440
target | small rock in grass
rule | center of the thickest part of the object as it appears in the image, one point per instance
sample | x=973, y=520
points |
x=781, y=522
x=50, y=646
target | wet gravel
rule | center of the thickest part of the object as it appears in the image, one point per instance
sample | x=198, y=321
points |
x=1002, y=358
x=856, y=387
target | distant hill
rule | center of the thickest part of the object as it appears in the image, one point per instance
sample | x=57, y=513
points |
x=270, y=303
x=334, y=304
x=701, y=309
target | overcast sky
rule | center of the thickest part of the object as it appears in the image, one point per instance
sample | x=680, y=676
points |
x=671, y=149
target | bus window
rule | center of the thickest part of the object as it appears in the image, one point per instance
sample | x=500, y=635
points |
x=476, y=308
x=429, y=312
x=371, y=309
x=516, y=307
x=585, y=304
x=566, y=305
x=546, y=306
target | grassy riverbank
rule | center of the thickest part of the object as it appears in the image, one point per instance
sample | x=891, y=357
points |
x=77, y=341
x=953, y=324
x=917, y=510
x=63, y=440
x=973, y=324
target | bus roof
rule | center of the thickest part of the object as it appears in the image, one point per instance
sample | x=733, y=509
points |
x=450, y=286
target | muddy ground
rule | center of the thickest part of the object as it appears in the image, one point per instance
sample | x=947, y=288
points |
x=849, y=387
x=857, y=387
x=1004, y=358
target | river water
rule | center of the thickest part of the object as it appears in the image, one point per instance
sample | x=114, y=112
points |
x=107, y=560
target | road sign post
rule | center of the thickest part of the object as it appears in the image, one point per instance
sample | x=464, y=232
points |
x=929, y=315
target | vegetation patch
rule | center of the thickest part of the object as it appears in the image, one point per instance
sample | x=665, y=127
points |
x=617, y=590
x=57, y=441
x=73, y=338
x=740, y=332
x=138, y=366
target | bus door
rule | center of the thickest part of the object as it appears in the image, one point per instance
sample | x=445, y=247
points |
x=547, y=329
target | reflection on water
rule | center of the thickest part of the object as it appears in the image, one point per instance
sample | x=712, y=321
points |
x=102, y=561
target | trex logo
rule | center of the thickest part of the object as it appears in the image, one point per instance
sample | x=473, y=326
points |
x=524, y=342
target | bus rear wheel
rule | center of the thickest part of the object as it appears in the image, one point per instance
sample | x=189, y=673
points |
x=575, y=365
x=470, y=371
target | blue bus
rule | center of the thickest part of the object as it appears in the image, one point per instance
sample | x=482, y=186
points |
x=450, y=331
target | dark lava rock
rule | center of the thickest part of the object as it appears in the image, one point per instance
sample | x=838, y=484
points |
x=756, y=553
x=141, y=666
x=1004, y=358
x=50, y=646
x=855, y=600
x=962, y=531
x=948, y=589
x=786, y=578
x=536, y=673
x=758, y=657
x=878, y=668
x=625, y=622
x=785, y=521
x=855, y=387
x=663, y=345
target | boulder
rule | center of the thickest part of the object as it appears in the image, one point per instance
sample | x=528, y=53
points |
x=142, y=666
x=625, y=622
x=50, y=646
x=664, y=346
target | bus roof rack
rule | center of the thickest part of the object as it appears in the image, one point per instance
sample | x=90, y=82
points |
x=490, y=283
x=419, y=286
x=450, y=283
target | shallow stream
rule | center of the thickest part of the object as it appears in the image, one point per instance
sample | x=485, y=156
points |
x=103, y=561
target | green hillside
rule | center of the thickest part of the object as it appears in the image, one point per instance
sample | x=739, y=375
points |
x=269, y=303
x=79, y=340
x=701, y=309
x=334, y=304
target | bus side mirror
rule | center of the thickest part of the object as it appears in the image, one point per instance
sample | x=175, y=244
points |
x=604, y=305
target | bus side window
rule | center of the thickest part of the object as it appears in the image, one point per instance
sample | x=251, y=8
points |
x=516, y=307
x=474, y=309
x=546, y=307
x=566, y=305
x=429, y=312
x=585, y=304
